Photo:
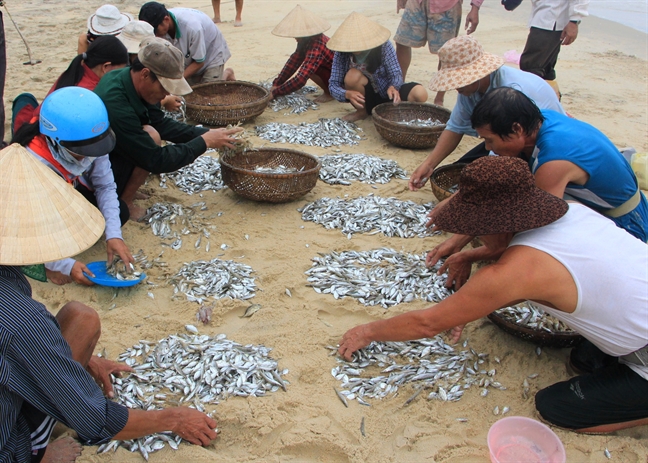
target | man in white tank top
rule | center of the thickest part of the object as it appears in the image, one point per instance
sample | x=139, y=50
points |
x=577, y=264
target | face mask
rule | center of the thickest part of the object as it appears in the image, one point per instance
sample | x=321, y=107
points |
x=69, y=162
x=361, y=57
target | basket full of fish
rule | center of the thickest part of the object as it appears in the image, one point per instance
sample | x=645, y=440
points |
x=529, y=322
x=410, y=125
x=223, y=103
x=273, y=175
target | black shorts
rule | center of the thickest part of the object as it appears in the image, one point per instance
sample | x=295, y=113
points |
x=373, y=99
x=122, y=171
x=611, y=393
x=40, y=427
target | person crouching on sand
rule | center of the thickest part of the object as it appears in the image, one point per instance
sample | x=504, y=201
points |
x=48, y=371
x=311, y=60
x=365, y=70
x=73, y=137
x=571, y=261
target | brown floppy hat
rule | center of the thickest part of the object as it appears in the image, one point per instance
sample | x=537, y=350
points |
x=42, y=218
x=301, y=23
x=463, y=61
x=497, y=194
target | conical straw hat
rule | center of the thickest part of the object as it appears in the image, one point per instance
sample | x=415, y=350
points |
x=358, y=33
x=301, y=23
x=42, y=218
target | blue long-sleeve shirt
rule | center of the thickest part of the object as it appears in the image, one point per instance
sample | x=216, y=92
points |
x=388, y=73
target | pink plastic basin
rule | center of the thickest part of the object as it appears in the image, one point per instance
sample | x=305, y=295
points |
x=516, y=439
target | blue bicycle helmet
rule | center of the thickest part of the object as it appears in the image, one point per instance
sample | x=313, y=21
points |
x=77, y=119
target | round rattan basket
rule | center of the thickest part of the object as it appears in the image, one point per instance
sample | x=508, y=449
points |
x=444, y=180
x=542, y=338
x=386, y=118
x=223, y=103
x=240, y=174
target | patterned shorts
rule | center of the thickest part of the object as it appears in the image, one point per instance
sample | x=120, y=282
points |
x=418, y=26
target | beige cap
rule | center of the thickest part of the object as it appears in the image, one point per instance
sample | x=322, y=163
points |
x=133, y=33
x=301, y=23
x=463, y=61
x=358, y=33
x=107, y=20
x=42, y=218
x=166, y=62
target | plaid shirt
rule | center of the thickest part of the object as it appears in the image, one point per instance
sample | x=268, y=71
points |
x=388, y=73
x=305, y=65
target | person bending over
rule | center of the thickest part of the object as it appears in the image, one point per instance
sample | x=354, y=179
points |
x=568, y=259
x=365, y=70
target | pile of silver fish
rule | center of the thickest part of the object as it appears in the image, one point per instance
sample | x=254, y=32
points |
x=120, y=271
x=161, y=216
x=324, y=133
x=296, y=102
x=277, y=169
x=529, y=316
x=381, y=276
x=215, y=278
x=429, y=122
x=144, y=263
x=389, y=216
x=429, y=363
x=342, y=169
x=201, y=175
x=191, y=370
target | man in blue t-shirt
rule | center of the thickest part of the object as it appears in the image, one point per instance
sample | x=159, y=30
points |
x=466, y=67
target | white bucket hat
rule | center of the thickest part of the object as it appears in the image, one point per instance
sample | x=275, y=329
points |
x=107, y=20
x=133, y=33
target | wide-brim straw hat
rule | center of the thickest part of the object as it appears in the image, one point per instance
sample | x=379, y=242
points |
x=463, y=61
x=497, y=194
x=42, y=218
x=108, y=20
x=358, y=33
x=301, y=23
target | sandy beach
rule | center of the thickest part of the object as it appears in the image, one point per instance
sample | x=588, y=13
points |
x=603, y=79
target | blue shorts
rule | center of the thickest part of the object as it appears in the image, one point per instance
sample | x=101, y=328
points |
x=418, y=26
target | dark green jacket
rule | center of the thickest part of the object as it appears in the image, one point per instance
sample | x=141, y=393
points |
x=128, y=113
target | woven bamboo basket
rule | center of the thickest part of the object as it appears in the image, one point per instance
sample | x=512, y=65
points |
x=239, y=174
x=386, y=117
x=222, y=103
x=542, y=338
x=445, y=179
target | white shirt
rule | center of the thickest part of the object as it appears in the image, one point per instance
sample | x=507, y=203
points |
x=555, y=14
x=609, y=267
x=198, y=38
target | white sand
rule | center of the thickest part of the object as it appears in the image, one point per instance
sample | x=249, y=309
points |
x=603, y=80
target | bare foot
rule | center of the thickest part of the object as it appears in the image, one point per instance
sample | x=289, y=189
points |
x=136, y=212
x=356, y=116
x=228, y=74
x=323, y=98
x=216, y=20
x=64, y=450
x=57, y=277
x=438, y=101
x=140, y=195
x=238, y=23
